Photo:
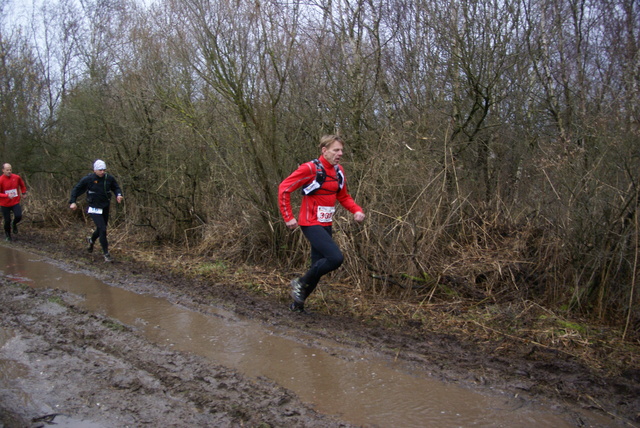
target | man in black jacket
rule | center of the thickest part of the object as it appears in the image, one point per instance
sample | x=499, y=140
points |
x=98, y=185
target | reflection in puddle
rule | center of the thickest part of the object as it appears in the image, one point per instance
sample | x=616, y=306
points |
x=359, y=388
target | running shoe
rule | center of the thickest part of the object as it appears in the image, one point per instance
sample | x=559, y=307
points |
x=298, y=291
x=296, y=307
x=90, y=247
x=7, y=237
x=107, y=258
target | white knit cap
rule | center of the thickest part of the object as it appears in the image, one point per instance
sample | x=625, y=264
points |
x=98, y=165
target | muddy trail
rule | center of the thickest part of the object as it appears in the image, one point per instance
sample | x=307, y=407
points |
x=105, y=373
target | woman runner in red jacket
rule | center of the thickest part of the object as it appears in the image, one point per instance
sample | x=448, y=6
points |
x=323, y=183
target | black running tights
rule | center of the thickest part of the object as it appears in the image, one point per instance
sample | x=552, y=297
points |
x=325, y=255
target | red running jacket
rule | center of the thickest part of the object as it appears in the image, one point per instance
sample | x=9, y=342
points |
x=12, y=185
x=315, y=209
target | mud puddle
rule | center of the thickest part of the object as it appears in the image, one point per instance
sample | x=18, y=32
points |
x=357, y=387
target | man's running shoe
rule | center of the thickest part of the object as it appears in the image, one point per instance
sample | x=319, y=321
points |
x=296, y=307
x=107, y=258
x=298, y=291
x=90, y=247
x=7, y=237
x=15, y=228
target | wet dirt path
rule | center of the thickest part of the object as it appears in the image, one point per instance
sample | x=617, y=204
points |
x=360, y=388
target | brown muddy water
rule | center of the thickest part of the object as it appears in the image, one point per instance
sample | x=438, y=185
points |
x=358, y=387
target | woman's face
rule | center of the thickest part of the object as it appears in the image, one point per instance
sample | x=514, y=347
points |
x=333, y=152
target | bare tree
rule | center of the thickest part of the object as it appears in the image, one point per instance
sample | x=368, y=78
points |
x=20, y=95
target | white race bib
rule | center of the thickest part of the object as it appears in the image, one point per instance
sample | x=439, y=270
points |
x=94, y=210
x=12, y=193
x=325, y=214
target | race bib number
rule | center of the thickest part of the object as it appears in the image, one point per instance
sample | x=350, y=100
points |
x=12, y=193
x=325, y=214
x=94, y=210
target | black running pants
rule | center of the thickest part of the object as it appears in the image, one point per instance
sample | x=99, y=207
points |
x=325, y=255
x=100, y=233
x=6, y=214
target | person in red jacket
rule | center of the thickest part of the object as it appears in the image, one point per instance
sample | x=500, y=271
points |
x=11, y=189
x=323, y=183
